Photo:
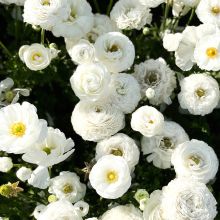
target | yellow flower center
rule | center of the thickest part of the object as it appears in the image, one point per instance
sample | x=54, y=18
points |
x=36, y=57
x=194, y=160
x=47, y=150
x=113, y=48
x=67, y=188
x=112, y=177
x=46, y=2
x=212, y=52
x=215, y=10
x=18, y=129
x=200, y=92
x=117, y=152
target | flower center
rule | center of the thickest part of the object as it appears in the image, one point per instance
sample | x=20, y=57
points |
x=36, y=57
x=151, y=78
x=200, y=92
x=67, y=188
x=166, y=143
x=47, y=150
x=18, y=129
x=46, y=2
x=212, y=52
x=112, y=177
x=215, y=10
x=194, y=160
x=113, y=48
x=117, y=152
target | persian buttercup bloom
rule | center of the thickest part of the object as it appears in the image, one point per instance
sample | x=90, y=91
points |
x=36, y=56
x=102, y=25
x=82, y=207
x=196, y=160
x=125, y=92
x=207, y=53
x=187, y=199
x=110, y=177
x=67, y=186
x=45, y=13
x=95, y=121
x=91, y=81
x=130, y=14
x=156, y=75
x=152, y=210
x=208, y=11
x=61, y=209
x=162, y=147
x=115, y=51
x=17, y=2
x=128, y=212
x=151, y=3
x=5, y=164
x=81, y=52
x=119, y=145
x=184, y=54
x=20, y=128
x=24, y=173
x=148, y=121
x=78, y=22
x=52, y=150
x=199, y=94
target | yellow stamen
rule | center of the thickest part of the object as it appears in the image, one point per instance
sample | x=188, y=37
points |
x=212, y=52
x=117, y=152
x=18, y=129
x=67, y=188
x=200, y=92
x=215, y=10
x=112, y=177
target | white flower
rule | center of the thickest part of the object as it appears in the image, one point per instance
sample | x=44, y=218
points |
x=36, y=56
x=110, y=177
x=59, y=210
x=40, y=178
x=187, y=199
x=152, y=3
x=20, y=128
x=52, y=150
x=45, y=13
x=91, y=81
x=148, y=121
x=152, y=210
x=38, y=209
x=24, y=173
x=199, y=94
x=191, y=3
x=126, y=212
x=155, y=74
x=78, y=22
x=115, y=51
x=208, y=11
x=17, y=2
x=162, y=147
x=119, y=145
x=190, y=36
x=95, y=121
x=67, y=186
x=102, y=25
x=6, y=164
x=130, y=14
x=82, y=52
x=195, y=159
x=207, y=53
x=83, y=207
x=171, y=41
x=125, y=92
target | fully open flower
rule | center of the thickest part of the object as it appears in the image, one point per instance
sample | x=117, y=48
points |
x=110, y=177
x=20, y=128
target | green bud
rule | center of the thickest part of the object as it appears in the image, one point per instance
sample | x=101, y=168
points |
x=146, y=31
x=9, y=95
x=141, y=194
x=52, y=198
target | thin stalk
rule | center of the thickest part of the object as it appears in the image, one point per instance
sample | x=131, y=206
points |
x=191, y=16
x=42, y=36
x=5, y=49
x=97, y=6
x=167, y=8
x=109, y=7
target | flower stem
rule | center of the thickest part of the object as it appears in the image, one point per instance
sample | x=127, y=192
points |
x=97, y=6
x=109, y=7
x=191, y=16
x=42, y=36
x=167, y=8
x=5, y=49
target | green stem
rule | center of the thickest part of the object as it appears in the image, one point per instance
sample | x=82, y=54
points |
x=42, y=36
x=5, y=49
x=167, y=8
x=97, y=6
x=191, y=16
x=109, y=7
